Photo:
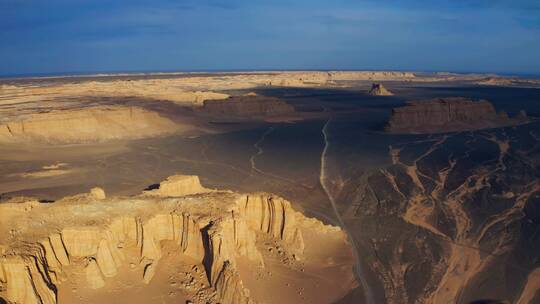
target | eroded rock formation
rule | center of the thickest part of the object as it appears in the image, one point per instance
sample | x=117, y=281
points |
x=86, y=125
x=180, y=91
x=460, y=214
x=178, y=185
x=99, y=235
x=448, y=115
x=377, y=89
x=248, y=106
x=374, y=75
x=509, y=81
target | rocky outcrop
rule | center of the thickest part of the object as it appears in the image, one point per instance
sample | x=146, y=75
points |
x=86, y=125
x=178, y=185
x=377, y=89
x=448, y=115
x=214, y=230
x=275, y=217
x=305, y=79
x=229, y=287
x=197, y=98
x=182, y=91
x=248, y=106
x=97, y=193
x=460, y=214
x=371, y=75
x=509, y=81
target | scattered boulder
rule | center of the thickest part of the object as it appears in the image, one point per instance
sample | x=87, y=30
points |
x=97, y=193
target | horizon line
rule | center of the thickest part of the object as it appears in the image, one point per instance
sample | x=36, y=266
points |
x=112, y=73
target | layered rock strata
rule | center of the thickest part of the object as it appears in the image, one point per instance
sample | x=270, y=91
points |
x=86, y=125
x=180, y=91
x=44, y=242
x=509, y=81
x=371, y=75
x=178, y=185
x=448, y=115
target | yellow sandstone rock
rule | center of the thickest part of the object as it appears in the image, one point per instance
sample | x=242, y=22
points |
x=214, y=229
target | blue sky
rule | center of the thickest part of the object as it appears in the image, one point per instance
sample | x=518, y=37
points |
x=54, y=36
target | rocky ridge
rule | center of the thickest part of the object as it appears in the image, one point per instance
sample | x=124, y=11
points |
x=377, y=89
x=96, y=234
x=93, y=124
x=509, y=81
x=177, y=185
x=448, y=115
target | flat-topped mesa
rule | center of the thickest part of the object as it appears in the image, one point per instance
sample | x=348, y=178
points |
x=377, y=89
x=177, y=185
x=182, y=91
x=449, y=115
x=307, y=79
x=509, y=81
x=38, y=258
x=371, y=75
x=86, y=125
x=247, y=106
x=195, y=98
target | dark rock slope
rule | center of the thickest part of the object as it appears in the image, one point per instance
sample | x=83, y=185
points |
x=249, y=105
x=454, y=219
x=448, y=115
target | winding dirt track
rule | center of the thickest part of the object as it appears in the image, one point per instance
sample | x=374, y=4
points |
x=322, y=179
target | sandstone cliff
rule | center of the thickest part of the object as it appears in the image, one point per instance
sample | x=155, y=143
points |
x=86, y=125
x=180, y=91
x=178, y=185
x=100, y=235
x=509, y=81
x=377, y=89
x=448, y=115
x=374, y=75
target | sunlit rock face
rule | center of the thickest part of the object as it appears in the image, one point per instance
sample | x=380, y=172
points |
x=177, y=186
x=448, y=115
x=88, y=241
x=454, y=218
x=94, y=124
x=378, y=89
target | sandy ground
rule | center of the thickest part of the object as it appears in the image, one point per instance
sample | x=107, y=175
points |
x=232, y=154
x=166, y=286
x=325, y=275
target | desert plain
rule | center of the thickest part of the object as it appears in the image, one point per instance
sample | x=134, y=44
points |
x=270, y=187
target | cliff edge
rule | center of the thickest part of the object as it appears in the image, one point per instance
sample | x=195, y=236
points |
x=451, y=114
x=212, y=247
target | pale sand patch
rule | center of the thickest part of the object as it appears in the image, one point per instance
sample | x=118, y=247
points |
x=45, y=173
